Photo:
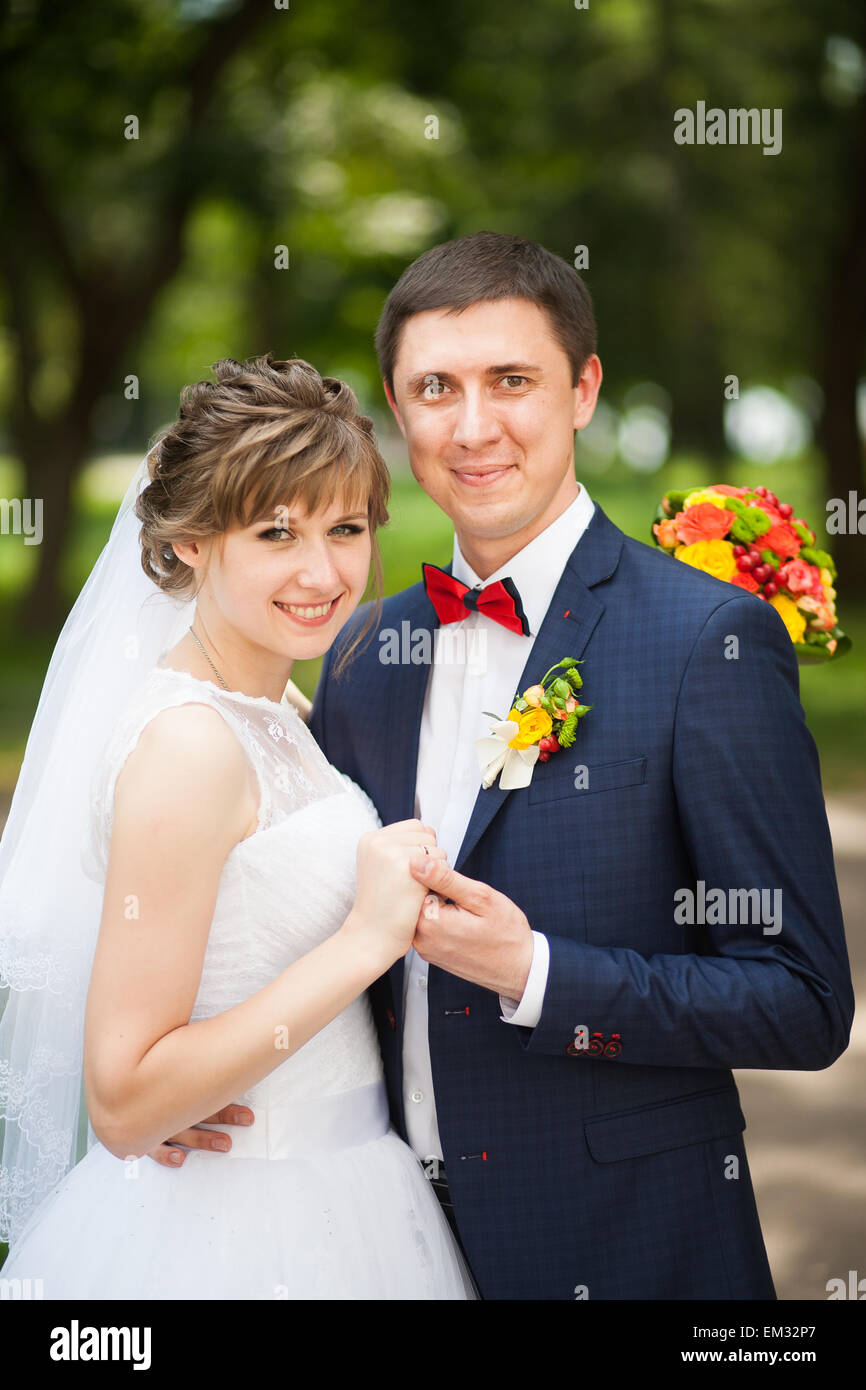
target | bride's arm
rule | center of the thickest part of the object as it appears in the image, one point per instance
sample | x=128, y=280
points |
x=182, y=801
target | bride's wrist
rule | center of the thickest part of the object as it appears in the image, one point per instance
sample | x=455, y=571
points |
x=369, y=945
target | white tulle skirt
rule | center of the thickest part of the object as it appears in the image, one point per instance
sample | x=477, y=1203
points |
x=324, y=1201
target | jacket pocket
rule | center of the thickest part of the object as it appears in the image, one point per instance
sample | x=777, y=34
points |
x=604, y=777
x=670, y=1124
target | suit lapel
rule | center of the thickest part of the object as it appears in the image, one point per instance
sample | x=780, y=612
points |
x=407, y=687
x=594, y=559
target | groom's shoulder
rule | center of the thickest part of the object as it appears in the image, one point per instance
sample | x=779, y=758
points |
x=656, y=575
x=651, y=586
x=396, y=608
x=403, y=603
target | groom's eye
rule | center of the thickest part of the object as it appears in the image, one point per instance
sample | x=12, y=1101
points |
x=433, y=387
x=521, y=379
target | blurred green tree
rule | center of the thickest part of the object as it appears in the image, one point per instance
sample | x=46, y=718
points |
x=357, y=137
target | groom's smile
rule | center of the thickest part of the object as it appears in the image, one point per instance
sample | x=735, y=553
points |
x=486, y=401
x=482, y=477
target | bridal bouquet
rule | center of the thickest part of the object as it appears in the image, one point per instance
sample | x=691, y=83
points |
x=749, y=538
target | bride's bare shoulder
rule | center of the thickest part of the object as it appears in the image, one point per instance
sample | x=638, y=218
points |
x=188, y=763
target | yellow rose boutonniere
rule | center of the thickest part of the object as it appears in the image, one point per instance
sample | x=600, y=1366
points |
x=515, y=744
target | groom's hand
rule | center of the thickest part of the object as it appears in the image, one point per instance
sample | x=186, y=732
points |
x=482, y=936
x=171, y=1156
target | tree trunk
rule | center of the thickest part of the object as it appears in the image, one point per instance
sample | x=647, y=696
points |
x=49, y=474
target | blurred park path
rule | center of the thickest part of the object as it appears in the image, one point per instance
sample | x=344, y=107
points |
x=806, y=1131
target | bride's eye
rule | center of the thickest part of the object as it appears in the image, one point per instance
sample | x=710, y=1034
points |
x=347, y=528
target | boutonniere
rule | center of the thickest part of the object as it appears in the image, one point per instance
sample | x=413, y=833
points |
x=527, y=736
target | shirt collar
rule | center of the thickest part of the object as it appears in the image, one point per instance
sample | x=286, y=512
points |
x=537, y=568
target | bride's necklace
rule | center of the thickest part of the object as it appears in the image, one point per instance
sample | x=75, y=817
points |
x=208, y=660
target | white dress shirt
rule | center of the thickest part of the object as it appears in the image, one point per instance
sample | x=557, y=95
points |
x=477, y=666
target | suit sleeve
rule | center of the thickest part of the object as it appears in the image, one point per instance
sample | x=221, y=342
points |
x=751, y=810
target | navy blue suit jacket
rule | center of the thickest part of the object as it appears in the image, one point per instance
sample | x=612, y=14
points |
x=621, y=1174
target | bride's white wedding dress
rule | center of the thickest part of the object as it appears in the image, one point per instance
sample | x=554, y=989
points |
x=319, y=1198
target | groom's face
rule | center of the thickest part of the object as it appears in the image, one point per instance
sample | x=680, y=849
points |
x=486, y=403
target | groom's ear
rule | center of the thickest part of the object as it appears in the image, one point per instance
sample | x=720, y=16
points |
x=586, y=392
x=389, y=395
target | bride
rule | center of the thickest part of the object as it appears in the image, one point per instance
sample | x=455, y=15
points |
x=193, y=901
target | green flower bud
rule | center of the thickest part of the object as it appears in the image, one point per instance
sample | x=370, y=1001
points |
x=813, y=556
x=566, y=732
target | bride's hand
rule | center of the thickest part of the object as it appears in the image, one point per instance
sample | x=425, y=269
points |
x=387, y=897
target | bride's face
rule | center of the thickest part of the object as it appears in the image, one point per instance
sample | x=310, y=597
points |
x=289, y=582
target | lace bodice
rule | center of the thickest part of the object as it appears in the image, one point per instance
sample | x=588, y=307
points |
x=283, y=889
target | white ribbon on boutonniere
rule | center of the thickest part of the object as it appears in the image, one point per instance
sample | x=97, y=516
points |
x=495, y=755
x=514, y=745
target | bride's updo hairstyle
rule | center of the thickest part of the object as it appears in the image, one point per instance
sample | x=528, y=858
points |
x=265, y=435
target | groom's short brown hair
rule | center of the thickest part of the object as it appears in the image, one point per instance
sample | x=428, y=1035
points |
x=490, y=266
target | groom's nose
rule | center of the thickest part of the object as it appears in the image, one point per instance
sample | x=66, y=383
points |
x=475, y=422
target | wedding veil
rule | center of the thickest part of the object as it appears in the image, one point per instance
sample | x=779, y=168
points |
x=50, y=907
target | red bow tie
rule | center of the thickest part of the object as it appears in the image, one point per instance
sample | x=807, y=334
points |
x=454, y=601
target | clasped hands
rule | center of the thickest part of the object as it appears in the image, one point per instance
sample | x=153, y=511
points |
x=471, y=930
x=464, y=926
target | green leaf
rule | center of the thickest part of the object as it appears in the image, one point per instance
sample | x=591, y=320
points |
x=809, y=654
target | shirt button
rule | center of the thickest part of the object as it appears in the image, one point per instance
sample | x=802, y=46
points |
x=422, y=981
x=417, y=1096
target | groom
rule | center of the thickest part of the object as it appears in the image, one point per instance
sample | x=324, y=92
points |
x=617, y=1170
x=558, y=1044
